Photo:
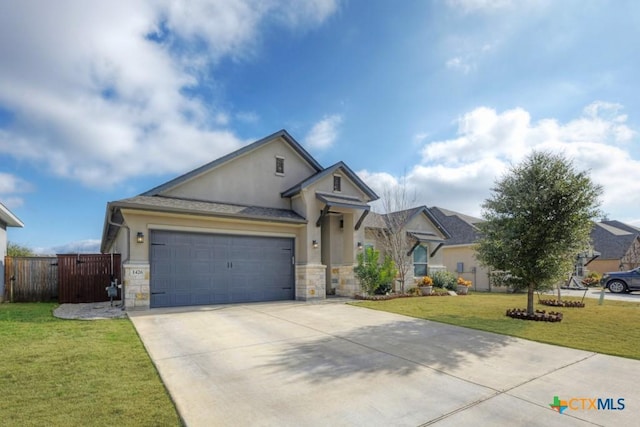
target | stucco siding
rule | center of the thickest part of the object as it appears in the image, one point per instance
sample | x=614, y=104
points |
x=145, y=221
x=472, y=270
x=604, y=265
x=250, y=179
x=422, y=223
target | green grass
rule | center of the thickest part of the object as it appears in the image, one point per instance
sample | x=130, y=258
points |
x=76, y=373
x=612, y=328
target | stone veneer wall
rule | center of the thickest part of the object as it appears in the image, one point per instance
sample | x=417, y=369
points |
x=136, y=286
x=310, y=282
x=347, y=285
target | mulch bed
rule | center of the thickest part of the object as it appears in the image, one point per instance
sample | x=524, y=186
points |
x=539, y=315
x=556, y=303
x=394, y=296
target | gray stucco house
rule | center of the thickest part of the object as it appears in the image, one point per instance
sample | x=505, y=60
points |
x=7, y=219
x=266, y=222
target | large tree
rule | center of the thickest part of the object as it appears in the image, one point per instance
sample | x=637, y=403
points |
x=538, y=218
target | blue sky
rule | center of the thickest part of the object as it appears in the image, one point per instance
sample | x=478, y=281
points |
x=101, y=101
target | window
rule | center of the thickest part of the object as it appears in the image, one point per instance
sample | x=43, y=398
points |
x=420, y=261
x=279, y=166
x=337, y=184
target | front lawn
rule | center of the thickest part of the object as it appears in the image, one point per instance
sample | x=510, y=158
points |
x=76, y=373
x=613, y=328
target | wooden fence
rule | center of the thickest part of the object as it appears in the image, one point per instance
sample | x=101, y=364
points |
x=30, y=279
x=82, y=278
x=67, y=278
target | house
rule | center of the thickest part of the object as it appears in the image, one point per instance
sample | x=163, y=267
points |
x=421, y=239
x=266, y=222
x=458, y=253
x=618, y=245
x=7, y=219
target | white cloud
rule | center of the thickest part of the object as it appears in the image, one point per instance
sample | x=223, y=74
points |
x=99, y=92
x=10, y=186
x=469, y=6
x=458, y=173
x=324, y=133
x=88, y=246
x=460, y=64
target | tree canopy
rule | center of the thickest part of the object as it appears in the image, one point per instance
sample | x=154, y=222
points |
x=14, y=249
x=538, y=218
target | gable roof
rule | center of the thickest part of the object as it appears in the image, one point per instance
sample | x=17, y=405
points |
x=613, y=238
x=7, y=217
x=328, y=171
x=462, y=227
x=376, y=220
x=224, y=159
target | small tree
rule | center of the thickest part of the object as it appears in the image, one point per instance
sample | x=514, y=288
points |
x=373, y=276
x=393, y=238
x=538, y=217
x=14, y=249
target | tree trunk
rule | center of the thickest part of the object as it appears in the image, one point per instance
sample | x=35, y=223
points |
x=530, y=299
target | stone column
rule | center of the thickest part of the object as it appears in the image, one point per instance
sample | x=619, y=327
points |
x=310, y=282
x=137, y=293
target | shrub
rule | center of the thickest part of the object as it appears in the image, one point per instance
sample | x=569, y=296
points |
x=462, y=282
x=426, y=281
x=375, y=278
x=444, y=279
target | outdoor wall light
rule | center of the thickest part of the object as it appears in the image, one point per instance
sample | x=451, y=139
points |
x=314, y=244
x=140, y=237
x=359, y=246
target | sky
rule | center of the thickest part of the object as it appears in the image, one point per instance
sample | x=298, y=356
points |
x=103, y=100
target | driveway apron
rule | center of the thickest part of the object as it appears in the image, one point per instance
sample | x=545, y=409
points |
x=295, y=363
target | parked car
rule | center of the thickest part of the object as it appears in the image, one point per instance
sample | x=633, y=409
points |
x=622, y=281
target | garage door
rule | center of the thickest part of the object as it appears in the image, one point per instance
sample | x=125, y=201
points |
x=194, y=269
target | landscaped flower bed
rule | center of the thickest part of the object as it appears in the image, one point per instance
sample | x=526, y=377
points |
x=539, y=315
x=435, y=293
x=556, y=303
x=380, y=297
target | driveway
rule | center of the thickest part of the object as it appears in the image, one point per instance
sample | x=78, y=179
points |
x=295, y=363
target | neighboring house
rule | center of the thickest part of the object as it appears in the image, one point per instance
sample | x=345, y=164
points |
x=7, y=219
x=266, y=222
x=458, y=253
x=618, y=245
x=424, y=234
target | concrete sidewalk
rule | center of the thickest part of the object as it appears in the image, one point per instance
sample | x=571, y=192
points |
x=293, y=363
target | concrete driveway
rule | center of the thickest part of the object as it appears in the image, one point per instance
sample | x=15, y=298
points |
x=294, y=363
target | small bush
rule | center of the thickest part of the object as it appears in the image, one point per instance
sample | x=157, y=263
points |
x=444, y=279
x=375, y=278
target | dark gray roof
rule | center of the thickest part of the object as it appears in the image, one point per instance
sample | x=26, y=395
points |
x=342, y=201
x=422, y=236
x=462, y=228
x=331, y=169
x=197, y=207
x=613, y=238
x=211, y=165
